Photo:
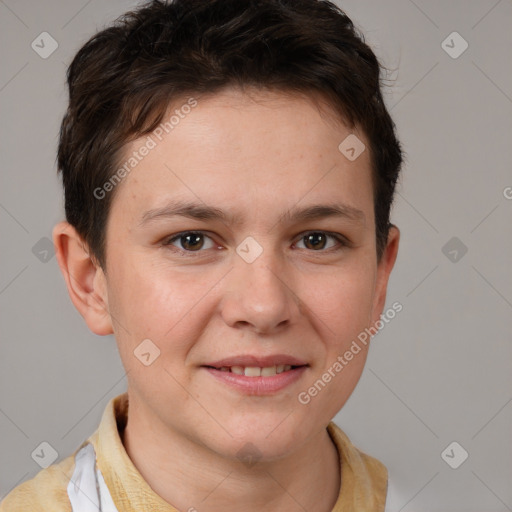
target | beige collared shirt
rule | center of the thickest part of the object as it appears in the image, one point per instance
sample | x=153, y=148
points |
x=363, y=478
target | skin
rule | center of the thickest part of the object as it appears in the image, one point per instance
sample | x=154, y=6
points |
x=257, y=156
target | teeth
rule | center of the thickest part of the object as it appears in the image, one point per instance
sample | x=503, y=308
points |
x=239, y=370
x=254, y=371
x=267, y=372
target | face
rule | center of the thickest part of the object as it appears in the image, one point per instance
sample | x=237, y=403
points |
x=239, y=277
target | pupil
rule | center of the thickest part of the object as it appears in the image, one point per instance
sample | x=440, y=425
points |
x=314, y=238
x=192, y=241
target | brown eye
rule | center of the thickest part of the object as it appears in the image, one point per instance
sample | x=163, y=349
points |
x=317, y=240
x=190, y=241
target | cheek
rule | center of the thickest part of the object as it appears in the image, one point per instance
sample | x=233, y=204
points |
x=342, y=310
x=343, y=302
x=156, y=303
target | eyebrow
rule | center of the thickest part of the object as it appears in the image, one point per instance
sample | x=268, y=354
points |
x=201, y=211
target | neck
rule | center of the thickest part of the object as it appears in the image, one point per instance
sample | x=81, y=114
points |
x=190, y=476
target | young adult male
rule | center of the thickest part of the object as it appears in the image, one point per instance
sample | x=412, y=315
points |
x=229, y=168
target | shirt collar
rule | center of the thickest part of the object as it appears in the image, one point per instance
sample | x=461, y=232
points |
x=363, y=478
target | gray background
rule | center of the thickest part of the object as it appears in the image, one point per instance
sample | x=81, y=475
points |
x=439, y=372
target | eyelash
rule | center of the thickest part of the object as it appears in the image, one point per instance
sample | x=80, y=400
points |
x=167, y=242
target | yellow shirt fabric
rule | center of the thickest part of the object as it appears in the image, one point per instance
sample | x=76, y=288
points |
x=363, y=479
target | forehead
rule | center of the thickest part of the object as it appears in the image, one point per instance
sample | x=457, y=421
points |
x=259, y=149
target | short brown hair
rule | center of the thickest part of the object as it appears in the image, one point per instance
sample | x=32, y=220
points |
x=123, y=79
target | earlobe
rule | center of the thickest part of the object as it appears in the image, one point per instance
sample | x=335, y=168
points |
x=84, y=278
x=384, y=268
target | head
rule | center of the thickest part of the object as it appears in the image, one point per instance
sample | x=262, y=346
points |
x=234, y=114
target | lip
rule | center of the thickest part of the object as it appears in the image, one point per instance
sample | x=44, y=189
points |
x=259, y=361
x=258, y=385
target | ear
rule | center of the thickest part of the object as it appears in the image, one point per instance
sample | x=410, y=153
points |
x=84, y=278
x=384, y=268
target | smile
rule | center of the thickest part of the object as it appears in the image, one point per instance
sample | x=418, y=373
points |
x=253, y=380
x=255, y=371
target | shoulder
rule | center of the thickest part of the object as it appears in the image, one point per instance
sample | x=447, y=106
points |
x=46, y=491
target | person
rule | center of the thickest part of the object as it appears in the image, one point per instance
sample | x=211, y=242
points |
x=229, y=169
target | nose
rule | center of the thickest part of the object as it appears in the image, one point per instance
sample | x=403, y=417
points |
x=258, y=296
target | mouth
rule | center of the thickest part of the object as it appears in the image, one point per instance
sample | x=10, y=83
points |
x=256, y=371
x=257, y=375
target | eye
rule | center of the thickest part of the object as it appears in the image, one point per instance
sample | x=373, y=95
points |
x=195, y=241
x=317, y=240
x=190, y=241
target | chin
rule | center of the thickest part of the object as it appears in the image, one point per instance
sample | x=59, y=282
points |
x=264, y=438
